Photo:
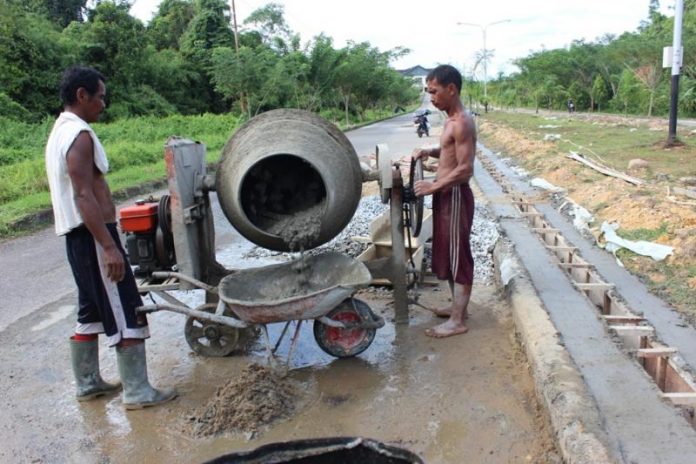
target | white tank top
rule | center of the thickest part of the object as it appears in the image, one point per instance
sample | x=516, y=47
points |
x=65, y=130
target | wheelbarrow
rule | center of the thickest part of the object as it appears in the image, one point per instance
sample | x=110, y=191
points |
x=318, y=288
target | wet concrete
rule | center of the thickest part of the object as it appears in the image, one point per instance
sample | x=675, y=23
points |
x=642, y=428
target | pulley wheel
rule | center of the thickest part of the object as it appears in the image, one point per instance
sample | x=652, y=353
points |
x=344, y=343
x=416, y=206
x=384, y=166
x=164, y=240
x=209, y=339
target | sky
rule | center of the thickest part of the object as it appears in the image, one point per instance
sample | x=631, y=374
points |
x=434, y=32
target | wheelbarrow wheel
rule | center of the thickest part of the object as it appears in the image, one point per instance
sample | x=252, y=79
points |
x=209, y=339
x=344, y=343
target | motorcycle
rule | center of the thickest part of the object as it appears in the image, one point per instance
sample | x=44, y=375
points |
x=422, y=125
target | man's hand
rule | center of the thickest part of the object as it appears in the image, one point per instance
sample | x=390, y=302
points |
x=114, y=263
x=422, y=153
x=424, y=187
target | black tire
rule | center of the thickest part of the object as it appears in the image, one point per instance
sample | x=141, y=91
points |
x=344, y=343
x=209, y=339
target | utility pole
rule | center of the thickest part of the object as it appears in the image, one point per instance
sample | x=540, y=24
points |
x=242, y=99
x=676, y=65
x=484, y=58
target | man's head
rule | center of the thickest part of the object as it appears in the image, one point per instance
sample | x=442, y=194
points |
x=444, y=85
x=82, y=90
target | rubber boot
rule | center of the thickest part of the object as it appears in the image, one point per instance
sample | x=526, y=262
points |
x=85, y=364
x=137, y=391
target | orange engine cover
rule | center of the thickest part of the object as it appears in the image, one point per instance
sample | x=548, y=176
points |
x=140, y=217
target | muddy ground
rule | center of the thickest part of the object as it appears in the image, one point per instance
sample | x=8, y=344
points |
x=464, y=399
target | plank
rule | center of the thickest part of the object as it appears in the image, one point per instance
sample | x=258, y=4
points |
x=681, y=398
x=656, y=352
x=605, y=170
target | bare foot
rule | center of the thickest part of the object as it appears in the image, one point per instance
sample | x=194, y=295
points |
x=445, y=312
x=446, y=329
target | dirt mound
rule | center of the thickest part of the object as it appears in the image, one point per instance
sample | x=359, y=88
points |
x=257, y=398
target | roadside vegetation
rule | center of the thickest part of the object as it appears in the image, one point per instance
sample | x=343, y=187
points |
x=620, y=74
x=644, y=212
x=182, y=74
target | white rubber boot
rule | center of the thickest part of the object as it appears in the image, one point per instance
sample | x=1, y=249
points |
x=137, y=391
x=85, y=364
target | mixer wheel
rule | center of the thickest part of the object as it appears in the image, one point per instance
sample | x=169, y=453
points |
x=344, y=343
x=416, y=206
x=209, y=339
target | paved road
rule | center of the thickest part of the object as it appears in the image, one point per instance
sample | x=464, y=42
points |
x=406, y=389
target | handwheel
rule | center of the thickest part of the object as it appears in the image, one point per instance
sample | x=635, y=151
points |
x=209, y=339
x=416, y=206
x=344, y=343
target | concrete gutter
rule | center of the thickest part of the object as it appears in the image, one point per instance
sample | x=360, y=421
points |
x=574, y=416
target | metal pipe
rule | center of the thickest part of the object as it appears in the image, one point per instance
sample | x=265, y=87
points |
x=186, y=278
x=224, y=320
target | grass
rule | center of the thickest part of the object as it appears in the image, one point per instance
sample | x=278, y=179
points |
x=134, y=147
x=614, y=142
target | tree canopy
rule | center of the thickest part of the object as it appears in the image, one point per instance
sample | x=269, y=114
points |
x=185, y=61
x=621, y=74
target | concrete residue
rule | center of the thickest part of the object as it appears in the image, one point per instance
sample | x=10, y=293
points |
x=299, y=230
x=255, y=399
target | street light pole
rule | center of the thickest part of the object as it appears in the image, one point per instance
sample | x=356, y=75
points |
x=484, y=58
x=676, y=65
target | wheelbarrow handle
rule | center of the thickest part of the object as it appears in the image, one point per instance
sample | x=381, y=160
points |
x=165, y=275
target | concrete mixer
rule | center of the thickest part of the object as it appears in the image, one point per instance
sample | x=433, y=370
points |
x=288, y=181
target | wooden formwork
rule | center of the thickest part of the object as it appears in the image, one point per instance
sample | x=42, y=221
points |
x=636, y=335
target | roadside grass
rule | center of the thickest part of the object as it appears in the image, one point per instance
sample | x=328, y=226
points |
x=135, y=149
x=134, y=146
x=615, y=143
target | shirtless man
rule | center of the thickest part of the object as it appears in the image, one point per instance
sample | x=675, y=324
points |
x=85, y=215
x=453, y=201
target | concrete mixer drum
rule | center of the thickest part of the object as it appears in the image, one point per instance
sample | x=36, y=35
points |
x=289, y=179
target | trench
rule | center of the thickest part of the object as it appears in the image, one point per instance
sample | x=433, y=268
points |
x=626, y=326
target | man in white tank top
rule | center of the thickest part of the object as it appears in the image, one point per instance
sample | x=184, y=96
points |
x=85, y=214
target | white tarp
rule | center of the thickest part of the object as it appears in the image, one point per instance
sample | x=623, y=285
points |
x=582, y=218
x=656, y=251
x=545, y=184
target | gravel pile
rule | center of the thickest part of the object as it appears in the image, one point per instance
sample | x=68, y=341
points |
x=483, y=238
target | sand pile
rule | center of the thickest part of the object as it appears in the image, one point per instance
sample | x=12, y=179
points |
x=245, y=404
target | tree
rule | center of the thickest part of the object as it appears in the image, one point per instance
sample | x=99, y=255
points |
x=598, y=93
x=32, y=59
x=170, y=22
x=649, y=76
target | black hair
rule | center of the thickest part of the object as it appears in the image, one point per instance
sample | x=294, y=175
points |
x=445, y=75
x=76, y=77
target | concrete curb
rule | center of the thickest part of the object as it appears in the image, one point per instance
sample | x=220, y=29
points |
x=575, y=419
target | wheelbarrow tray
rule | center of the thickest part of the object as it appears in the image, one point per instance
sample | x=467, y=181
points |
x=279, y=292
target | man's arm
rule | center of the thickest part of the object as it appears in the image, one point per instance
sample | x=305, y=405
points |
x=425, y=153
x=81, y=169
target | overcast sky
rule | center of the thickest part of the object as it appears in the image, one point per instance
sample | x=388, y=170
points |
x=429, y=27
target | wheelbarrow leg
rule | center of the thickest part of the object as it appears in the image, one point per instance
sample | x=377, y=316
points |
x=282, y=335
x=269, y=349
x=293, y=344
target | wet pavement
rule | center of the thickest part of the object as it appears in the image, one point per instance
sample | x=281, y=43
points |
x=464, y=399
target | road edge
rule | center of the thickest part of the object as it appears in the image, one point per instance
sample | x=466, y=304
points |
x=574, y=416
